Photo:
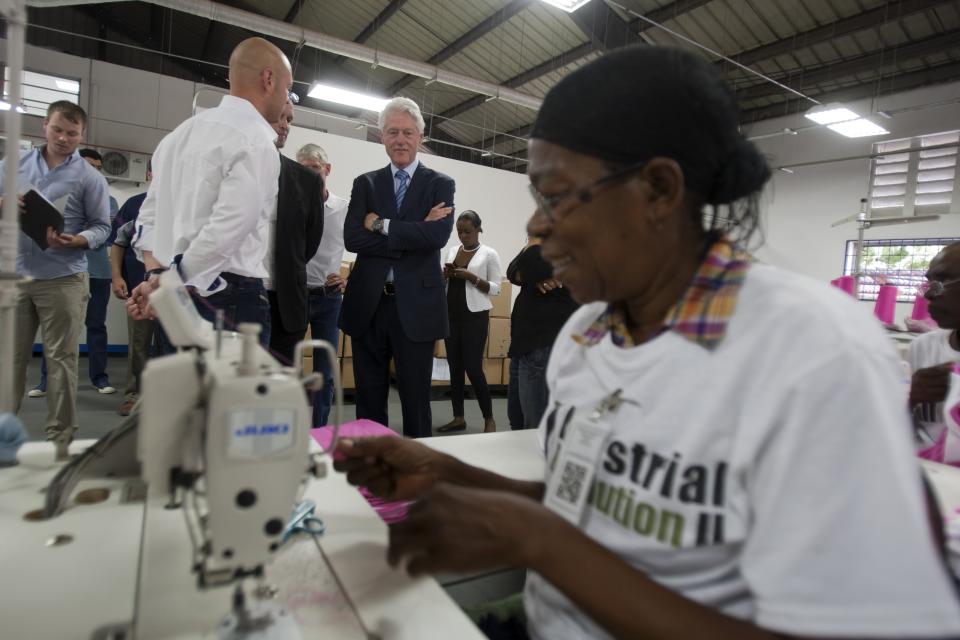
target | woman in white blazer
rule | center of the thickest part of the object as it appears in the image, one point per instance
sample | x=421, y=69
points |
x=473, y=274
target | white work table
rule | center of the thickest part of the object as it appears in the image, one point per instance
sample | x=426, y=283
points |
x=338, y=586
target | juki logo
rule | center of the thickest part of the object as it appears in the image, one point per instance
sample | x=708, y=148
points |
x=262, y=430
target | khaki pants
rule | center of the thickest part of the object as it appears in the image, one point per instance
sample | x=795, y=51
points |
x=139, y=335
x=57, y=307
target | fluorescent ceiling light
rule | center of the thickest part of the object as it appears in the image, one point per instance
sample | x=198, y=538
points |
x=5, y=106
x=831, y=113
x=567, y=5
x=68, y=85
x=859, y=128
x=350, y=98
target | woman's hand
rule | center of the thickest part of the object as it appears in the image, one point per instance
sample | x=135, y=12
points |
x=462, y=274
x=545, y=286
x=453, y=528
x=389, y=467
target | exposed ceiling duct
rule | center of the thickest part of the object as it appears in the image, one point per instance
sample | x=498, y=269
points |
x=278, y=29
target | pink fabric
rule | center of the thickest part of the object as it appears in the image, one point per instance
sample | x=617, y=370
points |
x=389, y=512
x=937, y=450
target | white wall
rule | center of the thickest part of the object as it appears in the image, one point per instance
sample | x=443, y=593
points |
x=800, y=207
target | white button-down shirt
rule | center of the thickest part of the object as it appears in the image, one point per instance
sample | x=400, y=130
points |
x=214, y=187
x=330, y=253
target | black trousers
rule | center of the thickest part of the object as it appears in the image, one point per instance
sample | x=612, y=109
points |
x=468, y=335
x=372, y=351
x=282, y=342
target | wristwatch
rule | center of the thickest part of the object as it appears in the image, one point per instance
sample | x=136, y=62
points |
x=377, y=225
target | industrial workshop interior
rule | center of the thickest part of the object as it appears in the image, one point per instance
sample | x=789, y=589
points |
x=464, y=319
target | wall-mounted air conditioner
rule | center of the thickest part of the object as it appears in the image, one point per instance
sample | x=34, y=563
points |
x=124, y=165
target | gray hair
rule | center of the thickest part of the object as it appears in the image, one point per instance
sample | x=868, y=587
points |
x=312, y=151
x=402, y=105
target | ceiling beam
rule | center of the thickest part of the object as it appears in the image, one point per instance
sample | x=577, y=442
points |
x=605, y=28
x=903, y=82
x=561, y=60
x=877, y=61
x=508, y=11
x=893, y=10
x=379, y=21
x=293, y=11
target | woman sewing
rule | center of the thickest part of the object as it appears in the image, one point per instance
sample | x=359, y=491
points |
x=727, y=450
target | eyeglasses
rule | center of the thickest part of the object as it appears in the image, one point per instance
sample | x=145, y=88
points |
x=550, y=204
x=935, y=288
x=294, y=98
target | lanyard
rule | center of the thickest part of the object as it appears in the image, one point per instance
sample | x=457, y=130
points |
x=574, y=463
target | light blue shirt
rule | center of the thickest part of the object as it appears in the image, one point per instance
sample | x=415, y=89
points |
x=86, y=211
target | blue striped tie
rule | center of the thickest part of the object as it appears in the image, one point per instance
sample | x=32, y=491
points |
x=402, y=178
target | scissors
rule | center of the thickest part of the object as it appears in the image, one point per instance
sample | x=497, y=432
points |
x=303, y=520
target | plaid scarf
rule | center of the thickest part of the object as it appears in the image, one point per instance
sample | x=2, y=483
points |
x=700, y=315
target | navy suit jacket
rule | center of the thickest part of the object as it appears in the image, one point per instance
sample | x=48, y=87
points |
x=412, y=249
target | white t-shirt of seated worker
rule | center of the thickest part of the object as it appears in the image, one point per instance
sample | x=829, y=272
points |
x=772, y=479
x=929, y=350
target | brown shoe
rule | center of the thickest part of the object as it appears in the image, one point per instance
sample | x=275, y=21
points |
x=489, y=425
x=126, y=407
x=457, y=424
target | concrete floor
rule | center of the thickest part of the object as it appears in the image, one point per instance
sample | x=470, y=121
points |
x=98, y=412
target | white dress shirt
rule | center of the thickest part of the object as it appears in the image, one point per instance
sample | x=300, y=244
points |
x=214, y=187
x=330, y=252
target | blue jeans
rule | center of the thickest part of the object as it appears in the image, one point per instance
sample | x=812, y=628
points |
x=244, y=300
x=532, y=387
x=96, y=322
x=324, y=311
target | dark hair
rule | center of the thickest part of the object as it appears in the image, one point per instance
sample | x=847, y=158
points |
x=470, y=216
x=72, y=112
x=641, y=102
x=91, y=153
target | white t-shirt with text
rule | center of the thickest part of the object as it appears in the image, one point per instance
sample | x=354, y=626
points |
x=771, y=478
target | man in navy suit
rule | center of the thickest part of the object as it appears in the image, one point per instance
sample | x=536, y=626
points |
x=395, y=303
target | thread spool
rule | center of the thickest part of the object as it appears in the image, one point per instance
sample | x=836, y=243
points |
x=886, y=303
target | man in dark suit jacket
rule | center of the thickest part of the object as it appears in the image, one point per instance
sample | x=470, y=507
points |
x=395, y=303
x=297, y=232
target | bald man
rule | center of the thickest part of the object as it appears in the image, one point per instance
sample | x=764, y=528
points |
x=214, y=187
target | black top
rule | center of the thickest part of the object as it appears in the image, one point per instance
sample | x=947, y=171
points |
x=537, y=317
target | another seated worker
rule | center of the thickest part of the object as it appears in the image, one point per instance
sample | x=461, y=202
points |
x=727, y=452
x=933, y=354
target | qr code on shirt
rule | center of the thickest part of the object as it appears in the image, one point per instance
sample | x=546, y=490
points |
x=571, y=482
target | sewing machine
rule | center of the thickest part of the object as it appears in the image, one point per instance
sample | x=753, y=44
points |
x=174, y=524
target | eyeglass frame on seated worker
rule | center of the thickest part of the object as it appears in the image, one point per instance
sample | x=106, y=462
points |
x=584, y=195
x=935, y=288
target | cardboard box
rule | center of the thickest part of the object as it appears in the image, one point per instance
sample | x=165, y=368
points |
x=347, y=347
x=493, y=370
x=503, y=303
x=345, y=269
x=498, y=340
x=347, y=379
x=307, y=362
x=505, y=375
